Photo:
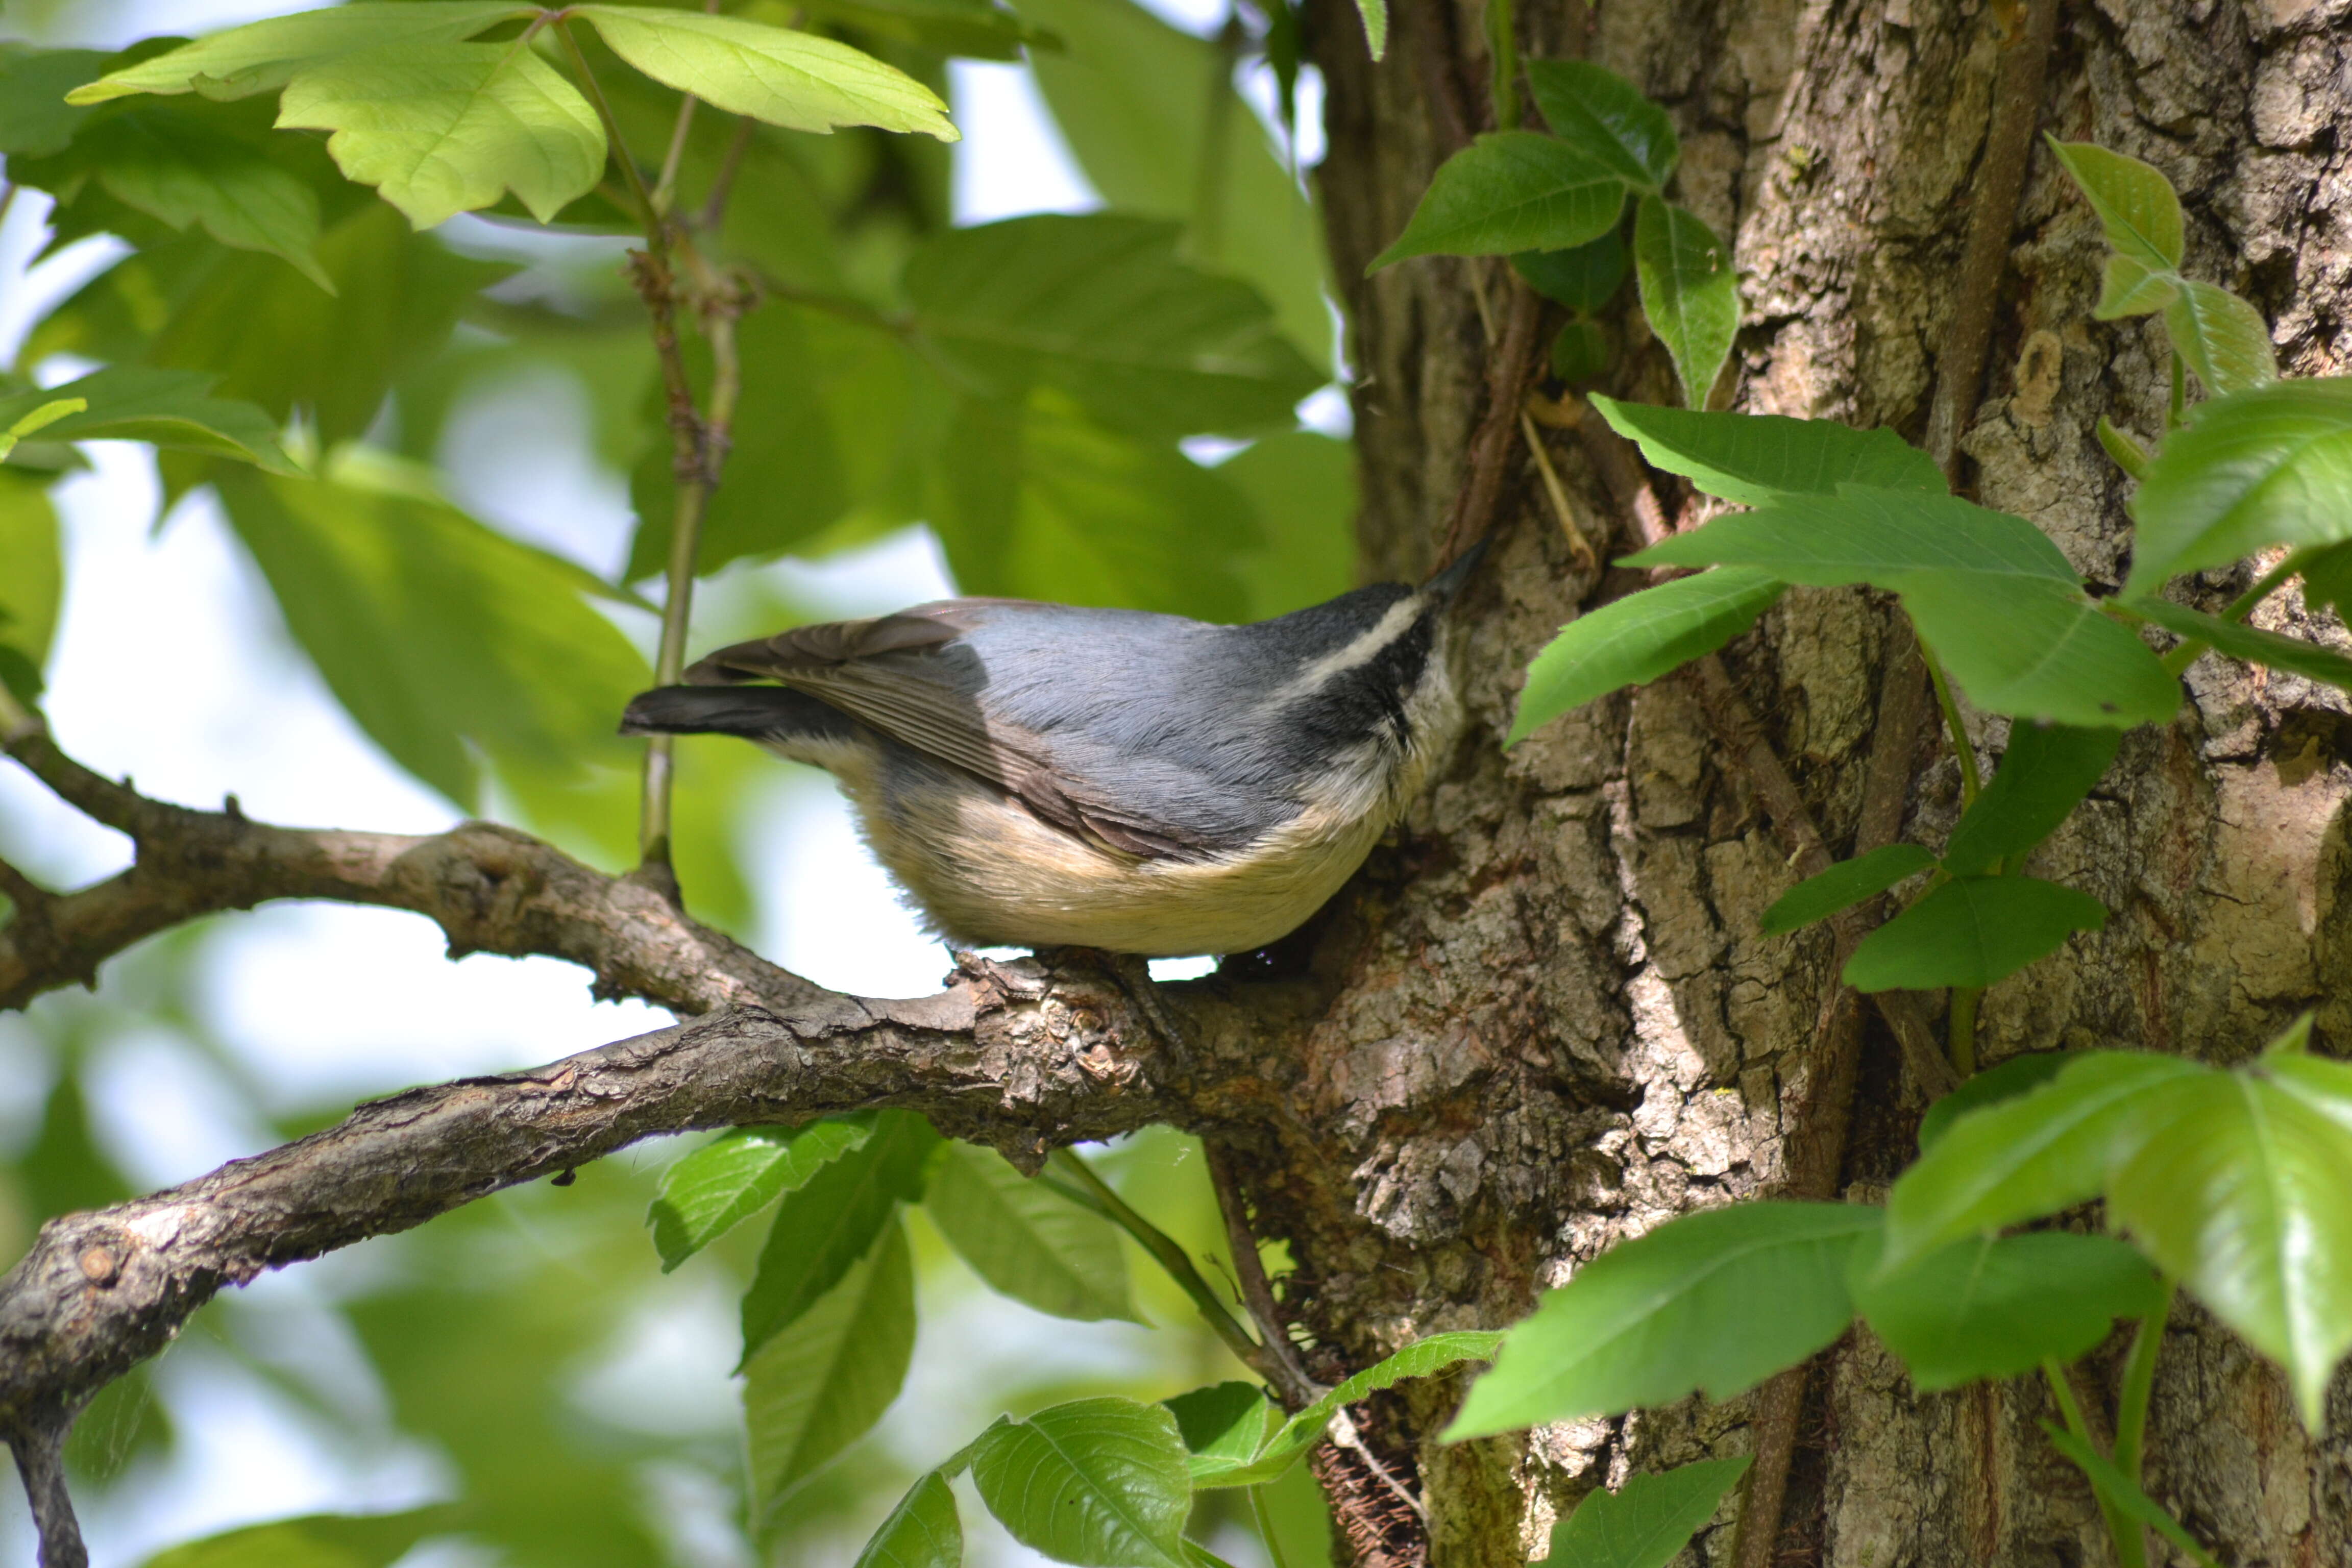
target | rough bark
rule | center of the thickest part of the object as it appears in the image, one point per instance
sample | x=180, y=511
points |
x=1555, y=1024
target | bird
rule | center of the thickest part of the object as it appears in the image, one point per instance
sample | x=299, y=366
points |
x=1037, y=775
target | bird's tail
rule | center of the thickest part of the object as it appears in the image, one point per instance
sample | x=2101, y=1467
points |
x=755, y=712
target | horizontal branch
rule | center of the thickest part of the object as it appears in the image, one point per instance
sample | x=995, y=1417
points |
x=1027, y=1056
x=490, y=889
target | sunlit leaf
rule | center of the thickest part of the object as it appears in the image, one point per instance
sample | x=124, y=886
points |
x=1607, y=117
x=32, y=582
x=1843, y=885
x=2036, y=651
x=922, y=1532
x=1511, y=191
x=440, y=129
x=830, y=1222
x=1990, y=1307
x=2037, y=1154
x=2273, y=466
x=1690, y=292
x=794, y=80
x=315, y=1541
x=1758, y=458
x=1971, y=930
x=2242, y=1196
x=821, y=1381
x=264, y=55
x=2015, y=1077
x=1864, y=535
x=2127, y=288
x=1423, y=1358
x=2224, y=339
x=1099, y=307
x=449, y=643
x=1375, y=14
x=2135, y=202
x=735, y=1175
x=1716, y=1300
x=1646, y=1522
x=169, y=408
x=1100, y=1482
x=2044, y=776
x=1641, y=637
x=1026, y=1240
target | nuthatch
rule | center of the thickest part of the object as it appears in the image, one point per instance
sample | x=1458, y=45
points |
x=1039, y=774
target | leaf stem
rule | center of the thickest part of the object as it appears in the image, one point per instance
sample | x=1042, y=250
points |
x=1264, y=1517
x=1971, y=783
x=2130, y=1550
x=1963, y=1032
x=2177, y=662
x=1169, y=1255
x=2139, y=1386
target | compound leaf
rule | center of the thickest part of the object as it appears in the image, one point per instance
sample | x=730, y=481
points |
x=1507, y=192
x=821, y=1381
x=167, y=408
x=314, y=1541
x=1756, y=459
x=1715, y=1300
x=445, y=128
x=32, y=582
x=2136, y=203
x=831, y=1221
x=1994, y=1308
x=1863, y=535
x=2017, y=1076
x=2044, y=776
x=922, y=1532
x=2038, y=650
x=1641, y=637
x=1582, y=277
x=1690, y=292
x=1100, y=1482
x=1844, y=884
x=1646, y=1522
x=2224, y=339
x=735, y=1175
x=1028, y=1241
x=2251, y=643
x=2119, y=1489
x=794, y=80
x=1610, y=119
x=265, y=55
x=2272, y=466
x=1971, y=930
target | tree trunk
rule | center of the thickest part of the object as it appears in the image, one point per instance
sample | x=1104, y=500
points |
x=1551, y=1022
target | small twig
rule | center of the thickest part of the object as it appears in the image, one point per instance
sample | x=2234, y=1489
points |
x=1509, y=367
x=722, y=184
x=1298, y=1389
x=32, y=900
x=666, y=186
x=1578, y=547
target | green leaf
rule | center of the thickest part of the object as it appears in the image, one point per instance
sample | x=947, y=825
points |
x=1885, y=538
x=180, y=169
x=1375, y=14
x=1605, y=117
x=1223, y=1425
x=2119, y=1489
x=1510, y=191
x=32, y=582
x=2327, y=579
x=735, y=1175
x=922, y=1532
x=793, y=79
x=1302, y=486
x=2127, y=288
x=2251, y=643
x=1639, y=639
x=1099, y=307
x=265, y=55
x=35, y=118
x=2044, y=1150
x=441, y=129
x=1580, y=351
x=974, y=29
x=831, y=1221
x=316, y=1541
x=2036, y=651
x=1716, y=1300
x=1149, y=114
x=1584, y=278
x=2242, y=1196
x=2135, y=202
x=2015, y=1077
x=2044, y=776
x=2273, y=466
x=1971, y=930
x=449, y=643
x=1423, y=1358
x=1038, y=501
x=1025, y=1239
x=2224, y=339
x=1758, y=458
x=823, y=1380
x=1844, y=884
x=1648, y=1520
x=1690, y=292
x=1100, y=1482
x=168, y=408
x=1988, y=1308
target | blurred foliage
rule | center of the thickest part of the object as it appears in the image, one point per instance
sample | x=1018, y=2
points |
x=1024, y=389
